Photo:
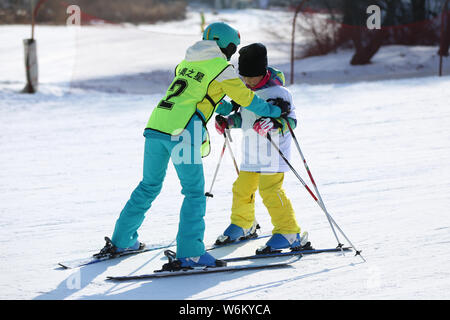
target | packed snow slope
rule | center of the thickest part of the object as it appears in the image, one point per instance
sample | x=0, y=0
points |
x=71, y=154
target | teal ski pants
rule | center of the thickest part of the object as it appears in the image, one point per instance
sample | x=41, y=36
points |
x=191, y=226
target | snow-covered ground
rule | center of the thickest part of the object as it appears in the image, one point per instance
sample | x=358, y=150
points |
x=71, y=154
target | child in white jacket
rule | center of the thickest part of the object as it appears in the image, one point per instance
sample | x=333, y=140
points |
x=261, y=167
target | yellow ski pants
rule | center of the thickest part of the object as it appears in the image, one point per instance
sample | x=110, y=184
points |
x=273, y=196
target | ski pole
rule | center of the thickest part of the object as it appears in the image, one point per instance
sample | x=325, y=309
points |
x=227, y=141
x=302, y=181
x=314, y=184
x=309, y=190
x=291, y=167
x=209, y=193
x=330, y=219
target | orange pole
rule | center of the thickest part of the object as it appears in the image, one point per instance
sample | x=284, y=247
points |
x=33, y=16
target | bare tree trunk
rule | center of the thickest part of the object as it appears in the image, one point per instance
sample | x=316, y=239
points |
x=445, y=36
x=366, y=42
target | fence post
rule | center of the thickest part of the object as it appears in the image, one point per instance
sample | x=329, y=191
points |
x=34, y=13
x=297, y=10
x=30, y=50
x=444, y=18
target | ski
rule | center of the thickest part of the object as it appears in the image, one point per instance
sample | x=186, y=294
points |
x=274, y=254
x=204, y=270
x=295, y=254
x=71, y=264
x=285, y=254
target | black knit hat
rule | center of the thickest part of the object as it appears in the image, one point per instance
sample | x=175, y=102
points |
x=253, y=60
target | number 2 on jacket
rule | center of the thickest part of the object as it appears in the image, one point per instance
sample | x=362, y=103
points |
x=180, y=86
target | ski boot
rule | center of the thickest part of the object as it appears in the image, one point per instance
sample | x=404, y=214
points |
x=205, y=260
x=234, y=233
x=279, y=241
x=111, y=250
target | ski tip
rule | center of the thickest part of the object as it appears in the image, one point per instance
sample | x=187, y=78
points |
x=122, y=278
x=113, y=278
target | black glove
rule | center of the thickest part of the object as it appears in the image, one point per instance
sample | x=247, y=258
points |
x=221, y=124
x=284, y=105
x=235, y=106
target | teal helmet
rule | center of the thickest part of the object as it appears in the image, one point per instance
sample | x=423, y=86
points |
x=226, y=37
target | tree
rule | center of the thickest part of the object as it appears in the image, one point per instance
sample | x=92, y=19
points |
x=445, y=30
x=407, y=22
x=366, y=42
